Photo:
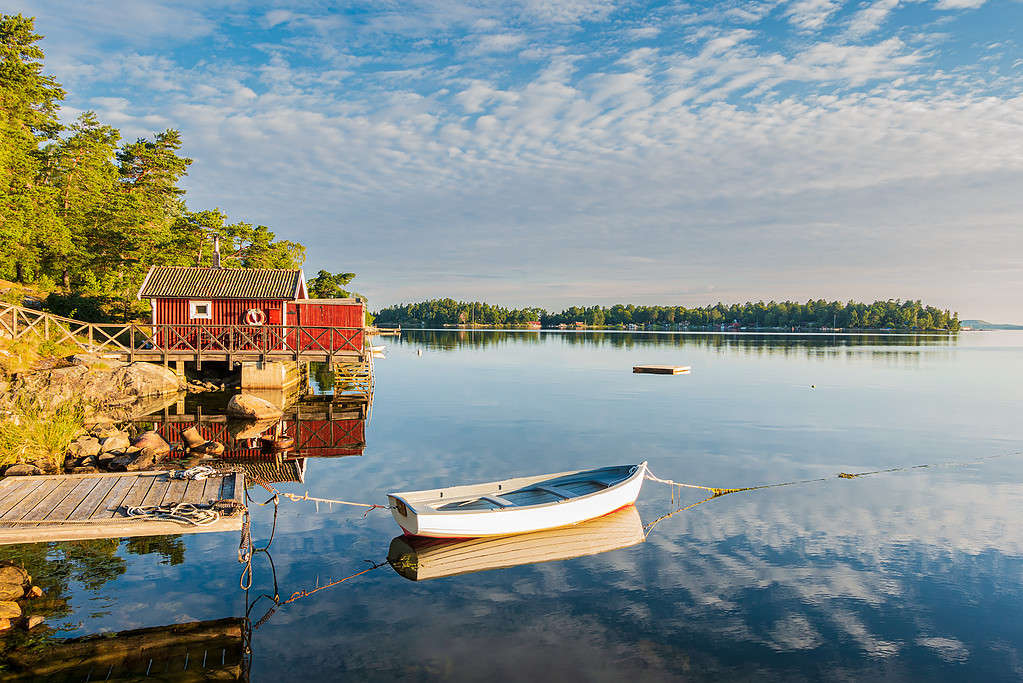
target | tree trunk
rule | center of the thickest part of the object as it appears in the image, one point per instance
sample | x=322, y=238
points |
x=19, y=272
x=65, y=278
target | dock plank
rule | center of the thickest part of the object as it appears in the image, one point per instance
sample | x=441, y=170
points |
x=29, y=501
x=112, y=501
x=175, y=492
x=661, y=369
x=78, y=507
x=157, y=491
x=53, y=499
x=194, y=491
x=91, y=502
x=64, y=509
x=139, y=490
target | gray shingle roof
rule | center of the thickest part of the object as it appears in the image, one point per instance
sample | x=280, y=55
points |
x=219, y=283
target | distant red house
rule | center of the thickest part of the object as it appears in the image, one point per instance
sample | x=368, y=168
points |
x=189, y=302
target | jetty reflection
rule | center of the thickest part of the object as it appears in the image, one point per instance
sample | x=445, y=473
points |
x=197, y=651
x=418, y=558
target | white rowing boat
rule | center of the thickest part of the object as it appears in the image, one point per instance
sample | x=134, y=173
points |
x=517, y=506
x=419, y=558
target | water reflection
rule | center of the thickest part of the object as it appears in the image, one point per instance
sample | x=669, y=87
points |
x=418, y=558
x=197, y=651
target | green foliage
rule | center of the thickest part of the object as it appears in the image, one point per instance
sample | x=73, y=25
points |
x=31, y=433
x=439, y=312
x=81, y=209
x=892, y=314
x=327, y=285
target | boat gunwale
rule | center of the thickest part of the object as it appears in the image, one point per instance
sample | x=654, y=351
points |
x=639, y=470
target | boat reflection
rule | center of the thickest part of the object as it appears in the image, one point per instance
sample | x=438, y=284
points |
x=418, y=558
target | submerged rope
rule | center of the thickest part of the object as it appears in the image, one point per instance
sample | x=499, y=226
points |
x=718, y=492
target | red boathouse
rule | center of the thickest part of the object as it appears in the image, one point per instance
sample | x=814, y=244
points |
x=248, y=309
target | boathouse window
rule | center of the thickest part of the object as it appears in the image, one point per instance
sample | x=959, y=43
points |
x=202, y=310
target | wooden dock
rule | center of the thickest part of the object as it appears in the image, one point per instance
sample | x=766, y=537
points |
x=84, y=506
x=661, y=369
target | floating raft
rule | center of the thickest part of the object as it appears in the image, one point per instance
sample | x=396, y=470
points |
x=661, y=369
x=84, y=506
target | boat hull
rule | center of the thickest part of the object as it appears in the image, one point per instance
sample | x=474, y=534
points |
x=516, y=520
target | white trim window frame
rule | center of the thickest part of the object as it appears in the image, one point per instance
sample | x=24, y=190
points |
x=200, y=310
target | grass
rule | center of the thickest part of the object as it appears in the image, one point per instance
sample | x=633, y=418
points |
x=32, y=434
x=25, y=353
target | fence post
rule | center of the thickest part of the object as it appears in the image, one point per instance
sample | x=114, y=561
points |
x=131, y=342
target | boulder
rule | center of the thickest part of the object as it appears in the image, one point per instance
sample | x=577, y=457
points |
x=9, y=609
x=140, y=462
x=5, y=624
x=251, y=407
x=33, y=621
x=87, y=469
x=34, y=592
x=103, y=431
x=10, y=573
x=209, y=448
x=192, y=437
x=85, y=445
x=149, y=379
x=120, y=463
x=114, y=442
x=248, y=429
x=21, y=470
x=151, y=442
x=11, y=591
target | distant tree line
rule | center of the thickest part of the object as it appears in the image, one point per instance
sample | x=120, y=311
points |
x=891, y=314
x=86, y=213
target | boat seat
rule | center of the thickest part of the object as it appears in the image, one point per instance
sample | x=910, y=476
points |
x=498, y=500
x=556, y=490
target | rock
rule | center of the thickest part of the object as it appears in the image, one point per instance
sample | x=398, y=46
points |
x=5, y=624
x=148, y=379
x=21, y=470
x=9, y=609
x=105, y=458
x=151, y=442
x=252, y=408
x=114, y=442
x=10, y=573
x=90, y=469
x=192, y=437
x=33, y=621
x=11, y=591
x=141, y=462
x=103, y=431
x=209, y=448
x=248, y=429
x=87, y=461
x=86, y=445
x=120, y=463
x=34, y=592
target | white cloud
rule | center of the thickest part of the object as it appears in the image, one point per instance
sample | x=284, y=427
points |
x=811, y=15
x=959, y=4
x=497, y=42
x=643, y=33
x=871, y=18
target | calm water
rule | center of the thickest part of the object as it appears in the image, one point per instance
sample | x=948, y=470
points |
x=904, y=575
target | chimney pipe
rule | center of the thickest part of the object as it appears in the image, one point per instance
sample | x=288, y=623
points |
x=216, y=251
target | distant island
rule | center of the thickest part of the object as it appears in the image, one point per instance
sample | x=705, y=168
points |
x=893, y=314
x=985, y=325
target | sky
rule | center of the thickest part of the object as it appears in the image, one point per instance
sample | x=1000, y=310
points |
x=582, y=152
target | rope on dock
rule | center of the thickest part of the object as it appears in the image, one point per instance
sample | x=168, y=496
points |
x=183, y=513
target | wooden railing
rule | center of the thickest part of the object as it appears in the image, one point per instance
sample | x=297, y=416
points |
x=194, y=342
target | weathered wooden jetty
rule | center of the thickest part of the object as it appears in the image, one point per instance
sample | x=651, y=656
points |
x=85, y=506
x=661, y=369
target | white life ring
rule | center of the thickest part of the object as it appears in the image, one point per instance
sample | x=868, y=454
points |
x=255, y=316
